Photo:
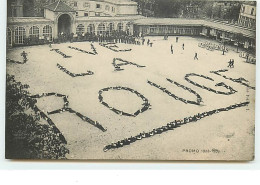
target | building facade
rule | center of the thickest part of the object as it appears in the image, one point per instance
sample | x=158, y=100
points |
x=74, y=17
x=247, y=16
x=107, y=17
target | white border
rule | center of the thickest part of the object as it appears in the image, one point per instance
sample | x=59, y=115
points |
x=62, y=165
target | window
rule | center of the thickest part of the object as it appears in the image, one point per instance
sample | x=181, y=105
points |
x=113, y=9
x=75, y=4
x=243, y=9
x=252, y=11
x=19, y=35
x=80, y=29
x=153, y=29
x=86, y=14
x=107, y=7
x=101, y=29
x=34, y=32
x=86, y=5
x=47, y=32
x=9, y=36
x=77, y=14
x=97, y=14
x=120, y=27
x=98, y=6
x=91, y=29
x=110, y=28
x=128, y=27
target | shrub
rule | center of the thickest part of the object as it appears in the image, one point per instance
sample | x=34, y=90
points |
x=27, y=136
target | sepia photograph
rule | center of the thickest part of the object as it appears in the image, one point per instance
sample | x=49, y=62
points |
x=138, y=80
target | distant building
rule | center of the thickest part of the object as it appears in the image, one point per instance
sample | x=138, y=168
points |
x=81, y=18
x=99, y=17
x=247, y=16
x=88, y=8
x=226, y=10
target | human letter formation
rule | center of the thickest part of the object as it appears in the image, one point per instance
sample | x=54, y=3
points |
x=170, y=126
x=73, y=74
x=146, y=104
x=61, y=53
x=124, y=62
x=66, y=108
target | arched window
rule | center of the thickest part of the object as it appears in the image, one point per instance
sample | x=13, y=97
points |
x=91, y=29
x=9, y=36
x=110, y=28
x=80, y=29
x=19, y=35
x=47, y=32
x=34, y=32
x=120, y=27
x=101, y=29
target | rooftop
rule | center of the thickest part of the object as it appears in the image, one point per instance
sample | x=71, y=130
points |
x=117, y=2
x=59, y=6
x=197, y=22
x=16, y=20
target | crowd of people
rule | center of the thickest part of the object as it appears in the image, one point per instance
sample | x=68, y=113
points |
x=73, y=74
x=64, y=109
x=231, y=90
x=61, y=53
x=146, y=104
x=124, y=62
x=46, y=118
x=249, y=59
x=212, y=46
x=112, y=46
x=199, y=99
x=84, y=51
x=170, y=126
x=25, y=59
x=241, y=81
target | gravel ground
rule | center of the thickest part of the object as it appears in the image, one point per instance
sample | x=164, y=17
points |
x=224, y=136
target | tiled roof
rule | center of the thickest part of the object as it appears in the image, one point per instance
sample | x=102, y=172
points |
x=59, y=6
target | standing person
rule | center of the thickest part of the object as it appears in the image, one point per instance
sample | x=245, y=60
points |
x=143, y=40
x=183, y=46
x=24, y=55
x=233, y=62
x=177, y=39
x=148, y=42
x=230, y=63
x=172, y=49
x=196, y=56
x=247, y=57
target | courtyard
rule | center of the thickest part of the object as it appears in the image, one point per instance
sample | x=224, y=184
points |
x=125, y=92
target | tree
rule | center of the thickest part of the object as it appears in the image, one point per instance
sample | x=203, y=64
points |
x=26, y=136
